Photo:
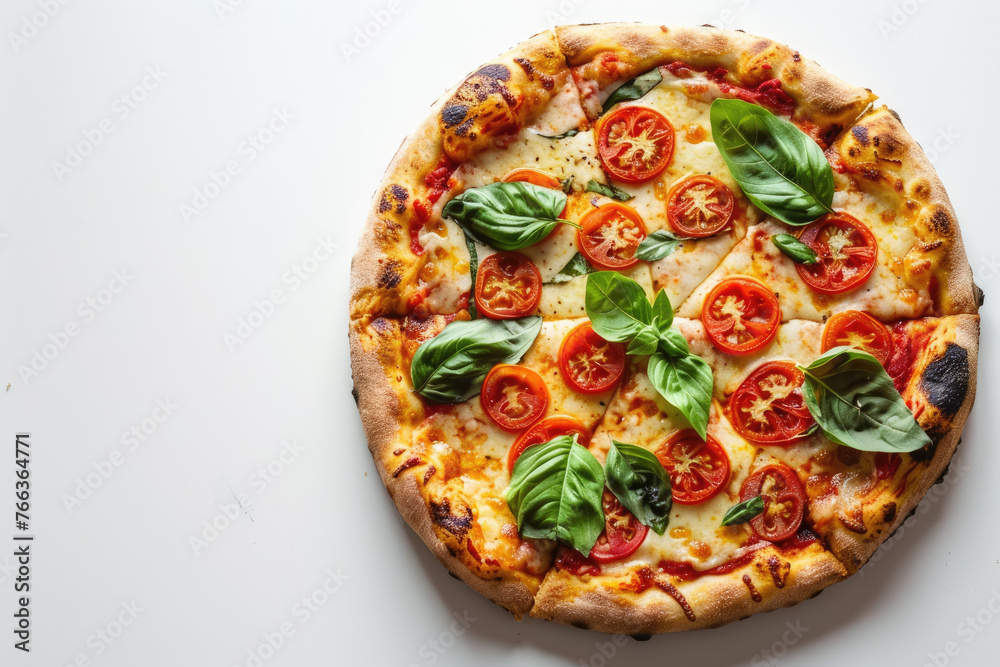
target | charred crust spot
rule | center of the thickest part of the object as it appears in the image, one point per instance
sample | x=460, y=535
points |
x=945, y=382
x=393, y=193
x=406, y=465
x=453, y=114
x=462, y=129
x=860, y=133
x=546, y=80
x=455, y=524
x=941, y=222
x=895, y=115
x=888, y=513
x=381, y=326
x=496, y=71
x=389, y=275
x=980, y=295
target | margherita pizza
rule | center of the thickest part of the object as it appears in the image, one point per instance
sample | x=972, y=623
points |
x=654, y=328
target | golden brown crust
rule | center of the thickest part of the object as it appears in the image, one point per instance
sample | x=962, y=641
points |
x=611, y=52
x=942, y=390
x=599, y=603
x=886, y=161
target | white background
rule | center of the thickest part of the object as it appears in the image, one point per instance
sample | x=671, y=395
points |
x=189, y=283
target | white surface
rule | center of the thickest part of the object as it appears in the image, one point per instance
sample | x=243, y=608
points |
x=162, y=336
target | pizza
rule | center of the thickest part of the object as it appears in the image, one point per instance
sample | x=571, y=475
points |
x=653, y=328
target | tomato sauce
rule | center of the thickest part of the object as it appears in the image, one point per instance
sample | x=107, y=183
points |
x=438, y=181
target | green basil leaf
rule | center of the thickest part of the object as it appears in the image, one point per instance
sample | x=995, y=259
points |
x=794, y=248
x=658, y=245
x=555, y=493
x=743, y=512
x=663, y=312
x=450, y=367
x=853, y=400
x=473, y=270
x=673, y=343
x=608, y=190
x=639, y=481
x=685, y=382
x=507, y=216
x=564, y=135
x=617, y=306
x=645, y=342
x=778, y=166
x=633, y=89
x=577, y=266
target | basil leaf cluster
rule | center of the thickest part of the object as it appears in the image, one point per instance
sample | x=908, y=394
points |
x=777, y=165
x=451, y=367
x=555, y=493
x=619, y=311
x=641, y=484
x=507, y=216
x=853, y=400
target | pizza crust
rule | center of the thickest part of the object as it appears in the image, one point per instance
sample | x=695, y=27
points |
x=635, y=48
x=712, y=601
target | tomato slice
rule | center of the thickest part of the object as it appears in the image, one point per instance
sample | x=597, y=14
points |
x=514, y=397
x=635, y=143
x=858, y=329
x=700, y=206
x=545, y=430
x=846, y=249
x=768, y=407
x=508, y=286
x=622, y=533
x=741, y=315
x=590, y=364
x=784, y=501
x=535, y=177
x=698, y=468
x=609, y=236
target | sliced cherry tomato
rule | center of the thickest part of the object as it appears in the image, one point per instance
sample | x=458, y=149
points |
x=698, y=468
x=590, y=364
x=622, y=533
x=508, y=286
x=784, y=501
x=535, y=177
x=514, y=397
x=768, y=407
x=741, y=315
x=545, y=430
x=846, y=250
x=858, y=329
x=700, y=206
x=634, y=143
x=609, y=236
